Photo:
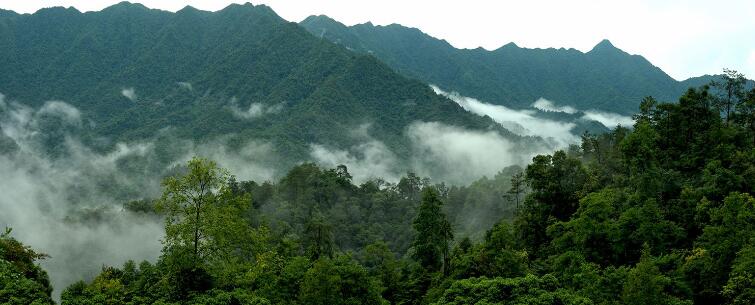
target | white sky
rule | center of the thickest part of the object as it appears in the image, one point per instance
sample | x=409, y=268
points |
x=684, y=38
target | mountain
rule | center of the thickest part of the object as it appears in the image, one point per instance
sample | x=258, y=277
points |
x=243, y=71
x=605, y=78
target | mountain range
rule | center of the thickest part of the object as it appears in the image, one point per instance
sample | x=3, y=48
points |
x=243, y=71
x=605, y=78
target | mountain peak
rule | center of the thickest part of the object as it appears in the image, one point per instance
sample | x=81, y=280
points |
x=4, y=13
x=321, y=20
x=123, y=5
x=603, y=45
x=509, y=46
x=187, y=9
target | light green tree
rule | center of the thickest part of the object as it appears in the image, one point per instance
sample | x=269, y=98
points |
x=203, y=217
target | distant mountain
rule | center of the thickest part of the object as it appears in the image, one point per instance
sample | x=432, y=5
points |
x=243, y=71
x=605, y=78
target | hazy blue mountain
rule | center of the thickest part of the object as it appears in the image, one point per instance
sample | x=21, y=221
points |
x=605, y=78
x=242, y=71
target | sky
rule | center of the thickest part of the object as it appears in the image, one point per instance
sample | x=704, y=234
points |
x=685, y=38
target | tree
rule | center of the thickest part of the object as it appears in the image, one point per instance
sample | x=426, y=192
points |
x=731, y=228
x=205, y=230
x=517, y=187
x=732, y=91
x=22, y=281
x=646, y=285
x=740, y=289
x=339, y=281
x=434, y=233
x=318, y=238
x=745, y=115
x=529, y=289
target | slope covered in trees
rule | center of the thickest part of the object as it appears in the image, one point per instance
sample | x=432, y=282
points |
x=605, y=78
x=661, y=214
x=243, y=71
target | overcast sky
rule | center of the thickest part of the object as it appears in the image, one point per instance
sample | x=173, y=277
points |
x=684, y=38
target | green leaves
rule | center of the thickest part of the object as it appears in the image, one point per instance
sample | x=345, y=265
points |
x=22, y=281
x=434, y=233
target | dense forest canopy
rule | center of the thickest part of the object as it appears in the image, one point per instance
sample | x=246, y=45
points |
x=662, y=213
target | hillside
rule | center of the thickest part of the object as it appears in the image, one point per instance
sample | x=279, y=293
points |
x=241, y=71
x=605, y=78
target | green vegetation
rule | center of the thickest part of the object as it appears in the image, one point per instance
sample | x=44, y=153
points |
x=22, y=282
x=240, y=73
x=662, y=214
x=605, y=78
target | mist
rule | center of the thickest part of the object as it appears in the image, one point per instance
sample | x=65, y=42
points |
x=609, y=119
x=546, y=105
x=65, y=199
x=442, y=152
x=129, y=93
x=530, y=122
x=521, y=122
x=255, y=110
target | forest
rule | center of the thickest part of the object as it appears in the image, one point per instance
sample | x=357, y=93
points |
x=662, y=213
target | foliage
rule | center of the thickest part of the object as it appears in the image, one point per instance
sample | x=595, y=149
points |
x=22, y=281
x=661, y=214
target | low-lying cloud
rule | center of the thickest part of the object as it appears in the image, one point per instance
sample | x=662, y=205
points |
x=365, y=161
x=546, y=105
x=526, y=122
x=460, y=155
x=185, y=85
x=443, y=152
x=40, y=195
x=68, y=204
x=611, y=120
x=522, y=122
x=129, y=93
x=255, y=110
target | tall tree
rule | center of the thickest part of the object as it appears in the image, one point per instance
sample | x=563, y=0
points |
x=732, y=91
x=318, y=238
x=203, y=215
x=434, y=232
x=517, y=187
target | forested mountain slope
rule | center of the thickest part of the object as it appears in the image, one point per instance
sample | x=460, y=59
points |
x=660, y=214
x=605, y=78
x=243, y=71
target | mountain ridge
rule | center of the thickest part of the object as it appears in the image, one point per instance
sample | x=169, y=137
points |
x=201, y=74
x=605, y=78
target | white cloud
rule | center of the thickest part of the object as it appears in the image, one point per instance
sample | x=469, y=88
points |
x=129, y=93
x=459, y=155
x=365, y=161
x=608, y=119
x=522, y=122
x=254, y=160
x=255, y=110
x=546, y=105
x=39, y=191
x=185, y=85
x=61, y=109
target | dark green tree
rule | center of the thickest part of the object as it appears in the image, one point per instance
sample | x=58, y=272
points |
x=433, y=232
